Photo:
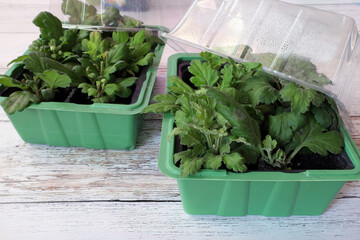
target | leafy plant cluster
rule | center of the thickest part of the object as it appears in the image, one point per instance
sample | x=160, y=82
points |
x=237, y=115
x=103, y=65
x=294, y=65
x=86, y=14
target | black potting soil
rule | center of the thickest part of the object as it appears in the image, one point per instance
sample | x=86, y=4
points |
x=60, y=96
x=300, y=163
x=74, y=95
x=184, y=73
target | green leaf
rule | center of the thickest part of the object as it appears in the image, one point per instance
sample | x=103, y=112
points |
x=252, y=66
x=269, y=144
x=313, y=137
x=110, y=89
x=177, y=131
x=7, y=81
x=50, y=26
x=260, y=90
x=103, y=99
x=96, y=47
x=34, y=62
x=180, y=155
x=55, y=80
x=283, y=125
x=214, y=60
x=88, y=89
x=186, y=114
x=120, y=65
x=141, y=50
x=213, y=162
x=227, y=76
x=133, y=68
x=117, y=53
x=139, y=37
x=109, y=70
x=300, y=97
x=123, y=92
x=120, y=37
x=92, y=92
x=203, y=73
x=302, y=68
x=124, y=85
x=243, y=124
x=250, y=153
x=147, y=60
x=84, y=87
x=90, y=66
x=104, y=46
x=69, y=42
x=111, y=16
x=81, y=71
x=333, y=109
x=316, y=98
x=280, y=159
x=47, y=94
x=128, y=82
x=179, y=86
x=130, y=22
x=225, y=145
x=192, y=138
x=18, y=59
x=235, y=162
x=63, y=69
x=165, y=103
x=190, y=166
x=153, y=39
x=80, y=13
x=323, y=115
x=18, y=101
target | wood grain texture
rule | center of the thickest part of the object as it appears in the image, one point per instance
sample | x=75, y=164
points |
x=152, y=220
x=37, y=173
x=30, y=172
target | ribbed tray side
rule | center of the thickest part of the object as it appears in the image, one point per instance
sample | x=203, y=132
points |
x=240, y=198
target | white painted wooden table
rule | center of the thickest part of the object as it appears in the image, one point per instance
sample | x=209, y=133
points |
x=75, y=193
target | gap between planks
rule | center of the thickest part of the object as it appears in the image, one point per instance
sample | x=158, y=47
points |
x=94, y=201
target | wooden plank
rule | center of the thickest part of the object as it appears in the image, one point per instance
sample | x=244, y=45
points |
x=10, y=22
x=167, y=220
x=33, y=173
x=31, y=3
x=15, y=46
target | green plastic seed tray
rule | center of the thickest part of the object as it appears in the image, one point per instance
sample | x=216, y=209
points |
x=97, y=126
x=276, y=193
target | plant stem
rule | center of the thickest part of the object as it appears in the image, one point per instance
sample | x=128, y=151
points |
x=271, y=161
x=297, y=149
x=217, y=144
x=262, y=152
x=209, y=141
x=102, y=68
x=277, y=83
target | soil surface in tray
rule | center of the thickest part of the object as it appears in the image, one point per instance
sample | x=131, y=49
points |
x=303, y=162
x=300, y=163
x=74, y=95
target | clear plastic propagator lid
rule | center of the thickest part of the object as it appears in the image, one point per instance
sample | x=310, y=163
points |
x=315, y=48
x=108, y=14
